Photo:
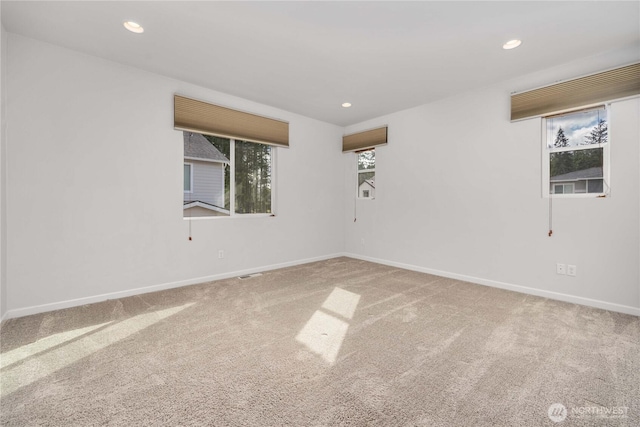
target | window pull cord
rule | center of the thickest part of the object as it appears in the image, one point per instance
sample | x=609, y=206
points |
x=550, y=215
x=191, y=171
x=355, y=208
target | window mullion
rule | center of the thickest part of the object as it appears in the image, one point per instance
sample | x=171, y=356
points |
x=576, y=148
x=272, y=178
x=232, y=177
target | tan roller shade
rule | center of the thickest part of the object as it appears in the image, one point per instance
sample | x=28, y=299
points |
x=362, y=140
x=201, y=117
x=608, y=85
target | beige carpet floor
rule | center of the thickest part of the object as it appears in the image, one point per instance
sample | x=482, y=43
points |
x=337, y=342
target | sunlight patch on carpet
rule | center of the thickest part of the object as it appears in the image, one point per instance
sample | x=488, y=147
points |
x=342, y=302
x=324, y=333
x=47, y=362
x=44, y=344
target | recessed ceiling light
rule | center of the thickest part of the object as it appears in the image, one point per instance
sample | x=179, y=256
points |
x=512, y=44
x=134, y=27
x=346, y=104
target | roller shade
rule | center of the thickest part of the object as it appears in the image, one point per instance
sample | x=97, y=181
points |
x=362, y=140
x=201, y=117
x=608, y=85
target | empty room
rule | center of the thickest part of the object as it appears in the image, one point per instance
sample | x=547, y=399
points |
x=334, y=213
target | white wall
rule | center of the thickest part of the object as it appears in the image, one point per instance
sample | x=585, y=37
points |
x=3, y=171
x=458, y=192
x=92, y=144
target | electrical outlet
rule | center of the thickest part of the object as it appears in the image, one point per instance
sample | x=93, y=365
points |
x=561, y=268
x=220, y=254
x=572, y=270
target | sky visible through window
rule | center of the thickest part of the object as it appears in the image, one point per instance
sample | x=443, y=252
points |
x=576, y=126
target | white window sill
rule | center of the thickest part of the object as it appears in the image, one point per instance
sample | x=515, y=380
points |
x=577, y=196
x=236, y=216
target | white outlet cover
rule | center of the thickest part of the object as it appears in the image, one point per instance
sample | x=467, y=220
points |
x=571, y=270
x=561, y=268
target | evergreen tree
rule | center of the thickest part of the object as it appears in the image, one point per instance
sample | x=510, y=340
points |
x=561, y=163
x=599, y=134
x=586, y=159
x=561, y=139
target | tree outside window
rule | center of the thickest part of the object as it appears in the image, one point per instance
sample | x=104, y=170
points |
x=251, y=164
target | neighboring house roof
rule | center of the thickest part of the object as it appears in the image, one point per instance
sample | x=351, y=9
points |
x=198, y=147
x=193, y=203
x=595, y=172
x=371, y=182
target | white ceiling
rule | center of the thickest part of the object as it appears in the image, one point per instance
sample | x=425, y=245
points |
x=310, y=57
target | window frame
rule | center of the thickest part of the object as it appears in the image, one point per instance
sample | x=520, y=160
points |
x=546, y=155
x=190, y=191
x=232, y=190
x=358, y=172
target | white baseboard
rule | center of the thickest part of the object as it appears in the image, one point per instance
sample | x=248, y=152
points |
x=26, y=311
x=510, y=287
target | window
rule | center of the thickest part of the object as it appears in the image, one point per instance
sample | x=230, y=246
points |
x=576, y=156
x=367, y=174
x=188, y=181
x=563, y=189
x=230, y=176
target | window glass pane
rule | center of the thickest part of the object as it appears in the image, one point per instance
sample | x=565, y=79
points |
x=568, y=189
x=366, y=184
x=557, y=189
x=576, y=165
x=253, y=177
x=223, y=145
x=209, y=158
x=595, y=186
x=367, y=160
x=187, y=177
x=578, y=129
